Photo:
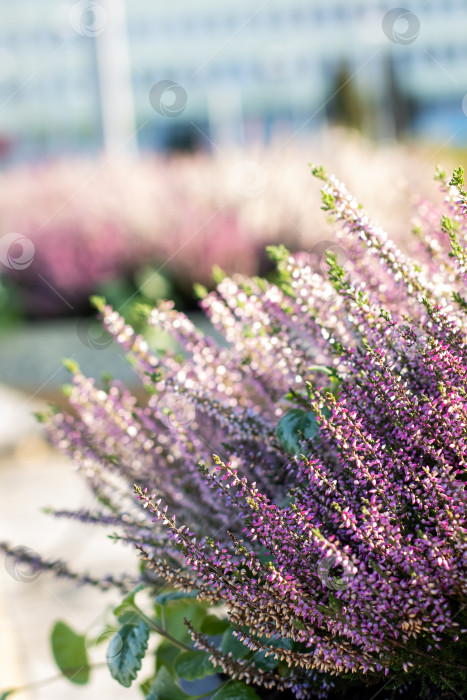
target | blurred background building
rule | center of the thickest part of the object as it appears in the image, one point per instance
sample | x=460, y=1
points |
x=157, y=75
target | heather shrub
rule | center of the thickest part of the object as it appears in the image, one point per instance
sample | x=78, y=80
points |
x=297, y=494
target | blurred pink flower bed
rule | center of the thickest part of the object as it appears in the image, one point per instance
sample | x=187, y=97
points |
x=95, y=221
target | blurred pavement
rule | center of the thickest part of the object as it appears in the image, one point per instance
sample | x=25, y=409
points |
x=31, y=355
x=32, y=476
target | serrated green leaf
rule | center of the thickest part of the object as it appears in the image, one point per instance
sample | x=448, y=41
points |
x=126, y=651
x=166, y=688
x=129, y=617
x=191, y=665
x=236, y=691
x=69, y=651
x=213, y=625
x=292, y=424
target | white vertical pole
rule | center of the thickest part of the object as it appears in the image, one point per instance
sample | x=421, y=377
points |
x=115, y=85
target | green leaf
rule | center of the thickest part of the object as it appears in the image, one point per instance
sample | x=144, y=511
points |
x=288, y=428
x=165, y=598
x=130, y=616
x=175, y=613
x=145, y=686
x=329, y=371
x=318, y=171
x=166, y=653
x=69, y=651
x=269, y=663
x=200, y=291
x=193, y=664
x=6, y=694
x=240, y=651
x=98, y=302
x=277, y=253
x=67, y=390
x=230, y=643
x=328, y=200
x=166, y=688
x=236, y=691
x=218, y=274
x=213, y=625
x=125, y=652
x=127, y=606
x=71, y=365
x=266, y=663
x=142, y=311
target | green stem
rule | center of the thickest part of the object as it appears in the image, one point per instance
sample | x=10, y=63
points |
x=160, y=630
x=322, y=368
